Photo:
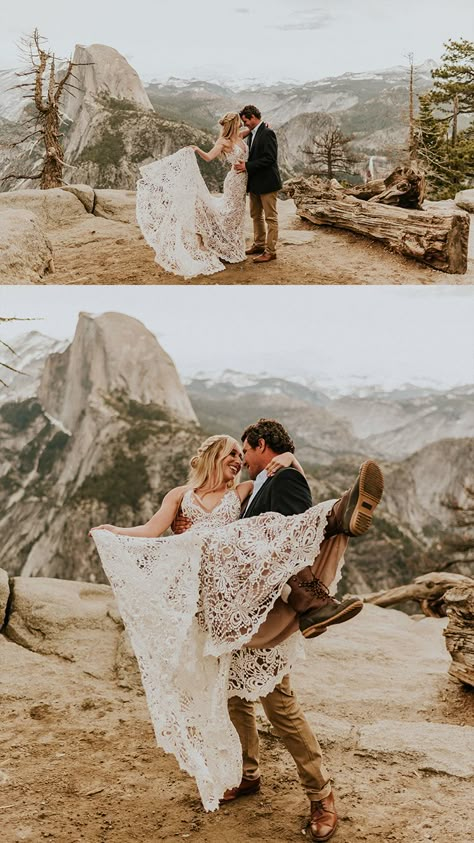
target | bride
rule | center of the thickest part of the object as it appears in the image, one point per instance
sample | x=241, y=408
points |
x=192, y=231
x=197, y=605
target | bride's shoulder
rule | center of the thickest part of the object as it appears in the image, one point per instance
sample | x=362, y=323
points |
x=178, y=493
x=244, y=489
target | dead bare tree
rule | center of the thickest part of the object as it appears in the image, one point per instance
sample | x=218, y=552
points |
x=412, y=148
x=330, y=152
x=45, y=88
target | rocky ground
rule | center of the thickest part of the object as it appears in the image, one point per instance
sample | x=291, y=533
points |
x=109, y=249
x=79, y=763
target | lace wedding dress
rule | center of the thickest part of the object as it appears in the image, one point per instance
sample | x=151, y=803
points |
x=191, y=230
x=190, y=604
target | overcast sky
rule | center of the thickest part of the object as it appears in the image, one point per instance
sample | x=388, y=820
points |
x=389, y=335
x=271, y=39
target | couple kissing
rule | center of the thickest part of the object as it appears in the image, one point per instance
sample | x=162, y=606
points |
x=194, y=232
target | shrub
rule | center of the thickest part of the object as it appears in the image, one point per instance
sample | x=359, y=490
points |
x=20, y=414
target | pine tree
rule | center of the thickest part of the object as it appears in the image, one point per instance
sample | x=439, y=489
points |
x=453, y=89
x=447, y=153
x=431, y=146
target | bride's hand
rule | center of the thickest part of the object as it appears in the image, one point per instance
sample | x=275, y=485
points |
x=280, y=461
x=109, y=527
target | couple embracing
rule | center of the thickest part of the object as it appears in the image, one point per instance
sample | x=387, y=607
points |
x=194, y=232
x=215, y=612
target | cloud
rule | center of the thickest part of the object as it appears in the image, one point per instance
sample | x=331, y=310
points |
x=242, y=11
x=307, y=19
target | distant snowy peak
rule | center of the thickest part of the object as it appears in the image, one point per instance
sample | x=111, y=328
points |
x=321, y=386
x=12, y=102
x=251, y=83
x=229, y=377
x=33, y=347
x=28, y=356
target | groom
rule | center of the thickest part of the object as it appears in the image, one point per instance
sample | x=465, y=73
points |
x=263, y=184
x=287, y=492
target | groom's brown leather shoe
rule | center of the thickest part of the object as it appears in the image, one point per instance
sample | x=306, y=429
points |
x=255, y=250
x=245, y=788
x=323, y=820
x=267, y=256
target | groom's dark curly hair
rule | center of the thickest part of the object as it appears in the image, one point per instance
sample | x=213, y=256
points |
x=274, y=434
x=249, y=111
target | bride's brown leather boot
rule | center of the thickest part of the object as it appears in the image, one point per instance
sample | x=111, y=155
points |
x=316, y=608
x=352, y=514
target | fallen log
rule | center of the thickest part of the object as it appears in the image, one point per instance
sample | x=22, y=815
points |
x=437, y=235
x=429, y=590
x=405, y=187
x=459, y=633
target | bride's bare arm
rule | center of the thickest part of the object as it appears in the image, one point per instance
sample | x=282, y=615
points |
x=244, y=133
x=284, y=461
x=158, y=523
x=213, y=153
x=244, y=490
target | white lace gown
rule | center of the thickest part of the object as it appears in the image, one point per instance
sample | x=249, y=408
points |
x=190, y=603
x=191, y=230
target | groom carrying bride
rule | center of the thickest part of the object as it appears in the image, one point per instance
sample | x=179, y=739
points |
x=263, y=184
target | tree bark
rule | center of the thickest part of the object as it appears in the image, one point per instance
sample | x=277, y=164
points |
x=437, y=235
x=459, y=633
x=429, y=590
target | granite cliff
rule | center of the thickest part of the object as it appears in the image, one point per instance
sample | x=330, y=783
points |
x=108, y=430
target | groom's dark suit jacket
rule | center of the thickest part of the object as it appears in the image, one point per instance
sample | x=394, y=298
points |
x=262, y=167
x=287, y=492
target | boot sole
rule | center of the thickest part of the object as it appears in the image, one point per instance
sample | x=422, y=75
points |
x=370, y=493
x=345, y=615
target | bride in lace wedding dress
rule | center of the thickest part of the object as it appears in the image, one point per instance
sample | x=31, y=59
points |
x=196, y=606
x=191, y=230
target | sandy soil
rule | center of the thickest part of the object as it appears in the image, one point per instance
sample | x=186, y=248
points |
x=90, y=772
x=78, y=760
x=99, y=251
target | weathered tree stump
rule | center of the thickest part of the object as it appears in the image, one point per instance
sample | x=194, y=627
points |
x=459, y=633
x=405, y=187
x=436, y=235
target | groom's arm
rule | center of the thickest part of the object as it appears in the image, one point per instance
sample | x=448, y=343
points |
x=268, y=156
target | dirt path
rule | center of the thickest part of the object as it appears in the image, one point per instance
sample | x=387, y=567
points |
x=78, y=760
x=99, y=251
x=91, y=773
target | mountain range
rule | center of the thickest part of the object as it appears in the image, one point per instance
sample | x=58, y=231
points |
x=114, y=122
x=109, y=126
x=100, y=428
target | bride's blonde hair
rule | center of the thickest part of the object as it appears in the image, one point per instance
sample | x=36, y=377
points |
x=230, y=125
x=206, y=464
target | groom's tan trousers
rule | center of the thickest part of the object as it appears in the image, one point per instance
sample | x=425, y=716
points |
x=281, y=706
x=289, y=723
x=263, y=210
